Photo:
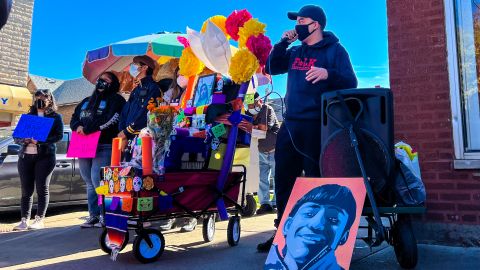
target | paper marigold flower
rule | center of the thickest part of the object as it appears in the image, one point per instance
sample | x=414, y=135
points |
x=242, y=66
x=218, y=20
x=189, y=64
x=260, y=46
x=236, y=20
x=251, y=28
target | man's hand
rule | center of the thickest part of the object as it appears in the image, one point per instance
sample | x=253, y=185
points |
x=262, y=127
x=316, y=74
x=122, y=135
x=291, y=35
x=80, y=130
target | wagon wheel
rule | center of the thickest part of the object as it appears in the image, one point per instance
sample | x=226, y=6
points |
x=250, y=206
x=233, y=231
x=148, y=246
x=404, y=243
x=208, y=228
x=105, y=242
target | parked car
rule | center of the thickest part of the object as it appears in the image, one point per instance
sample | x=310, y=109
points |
x=66, y=186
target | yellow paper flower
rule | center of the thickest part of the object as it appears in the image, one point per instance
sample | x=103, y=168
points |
x=243, y=65
x=189, y=64
x=218, y=20
x=251, y=28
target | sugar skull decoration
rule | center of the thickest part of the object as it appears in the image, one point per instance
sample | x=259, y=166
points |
x=215, y=143
x=137, y=183
x=102, y=183
x=129, y=184
x=107, y=173
x=116, y=186
x=111, y=186
x=115, y=174
x=148, y=183
x=123, y=184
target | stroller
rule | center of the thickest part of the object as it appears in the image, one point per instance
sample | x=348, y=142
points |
x=357, y=140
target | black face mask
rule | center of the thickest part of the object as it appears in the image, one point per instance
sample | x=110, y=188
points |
x=102, y=85
x=302, y=31
x=40, y=104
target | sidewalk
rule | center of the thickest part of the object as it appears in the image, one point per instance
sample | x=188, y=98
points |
x=63, y=245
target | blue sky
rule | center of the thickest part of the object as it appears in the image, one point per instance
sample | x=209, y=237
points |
x=64, y=30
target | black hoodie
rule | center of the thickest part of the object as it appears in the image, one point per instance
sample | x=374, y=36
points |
x=104, y=116
x=303, y=98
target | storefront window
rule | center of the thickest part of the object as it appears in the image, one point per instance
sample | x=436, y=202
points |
x=467, y=20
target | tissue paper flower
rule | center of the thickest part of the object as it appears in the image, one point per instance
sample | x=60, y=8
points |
x=243, y=65
x=189, y=64
x=236, y=20
x=251, y=28
x=219, y=21
x=260, y=46
x=184, y=41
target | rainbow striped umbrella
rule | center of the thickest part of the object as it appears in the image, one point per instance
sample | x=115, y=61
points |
x=118, y=56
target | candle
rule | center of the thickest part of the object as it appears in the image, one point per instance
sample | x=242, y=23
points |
x=116, y=152
x=147, y=155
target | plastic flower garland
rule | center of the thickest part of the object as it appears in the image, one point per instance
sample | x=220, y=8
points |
x=251, y=28
x=236, y=20
x=243, y=65
x=189, y=64
x=218, y=20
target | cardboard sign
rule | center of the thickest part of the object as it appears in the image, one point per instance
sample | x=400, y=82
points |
x=83, y=146
x=332, y=207
x=31, y=126
x=218, y=130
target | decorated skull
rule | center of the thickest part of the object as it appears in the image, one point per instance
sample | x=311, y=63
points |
x=116, y=186
x=102, y=183
x=108, y=173
x=123, y=184
x=137, y=183
x=111, y=186
x=215, y=143
x=129, y=184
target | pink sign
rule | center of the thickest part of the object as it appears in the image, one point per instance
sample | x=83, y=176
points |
x=83, y=146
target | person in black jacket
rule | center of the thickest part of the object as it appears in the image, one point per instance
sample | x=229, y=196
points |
x=37, y=160
x=318, y=65
x=99, y=112
x=134, y=114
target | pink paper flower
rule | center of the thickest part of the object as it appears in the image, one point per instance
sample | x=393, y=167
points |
x=183, y=41
x=260, y=46
x=235, y=21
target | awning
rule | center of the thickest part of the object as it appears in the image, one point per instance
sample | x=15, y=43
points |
x=14, y=99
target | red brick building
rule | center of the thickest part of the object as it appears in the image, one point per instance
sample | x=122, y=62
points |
x=434, y=53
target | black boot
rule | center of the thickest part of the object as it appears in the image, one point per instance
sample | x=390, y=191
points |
x=265, y=246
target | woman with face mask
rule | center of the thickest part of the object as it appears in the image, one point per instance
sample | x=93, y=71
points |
x=99, y=112
x=176, y=89
x=37, y=160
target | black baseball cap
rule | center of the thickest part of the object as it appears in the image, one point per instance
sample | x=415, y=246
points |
x=313, y=12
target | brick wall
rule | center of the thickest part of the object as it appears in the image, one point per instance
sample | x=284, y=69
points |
x=419, y=80
x=66, y=111
x=15, y=44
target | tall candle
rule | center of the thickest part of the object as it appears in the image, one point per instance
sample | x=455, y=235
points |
x=147, y=155
x=116, y=152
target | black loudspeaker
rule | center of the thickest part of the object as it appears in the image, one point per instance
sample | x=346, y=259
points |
x=372, y=111
x=5, y=7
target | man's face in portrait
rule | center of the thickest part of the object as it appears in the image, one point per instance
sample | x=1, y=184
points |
x=313, y=228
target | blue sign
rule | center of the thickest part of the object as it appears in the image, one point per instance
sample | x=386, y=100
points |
x=31, y=126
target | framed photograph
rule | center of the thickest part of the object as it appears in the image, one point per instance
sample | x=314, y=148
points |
x=319, y=226
x=204, y=90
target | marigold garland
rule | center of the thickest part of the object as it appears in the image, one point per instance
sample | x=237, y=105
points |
x=260, y=46
x=189, y=64
x=236, y=20
x=218, y=20
x=243, y=65
x=251, y=28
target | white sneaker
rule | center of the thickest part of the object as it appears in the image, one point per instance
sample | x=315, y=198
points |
x=37, y=224
x=23, y=226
